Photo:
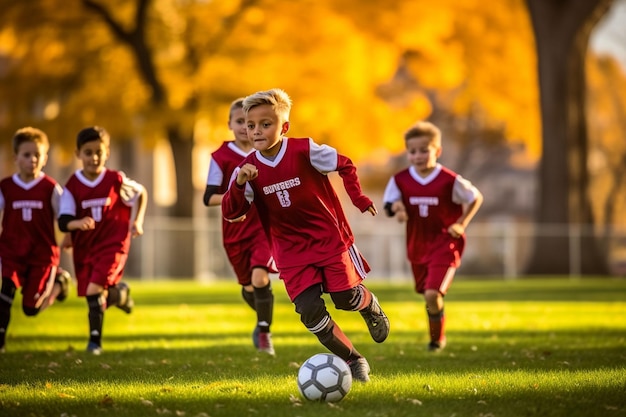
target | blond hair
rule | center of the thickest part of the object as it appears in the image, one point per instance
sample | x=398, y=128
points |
x=277, y=98
x=29, y=134
x=422, y=128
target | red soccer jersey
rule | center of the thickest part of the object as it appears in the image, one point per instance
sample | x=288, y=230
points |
x=108, y=200
x=432, y=205
x=226, y=158
x=297, y=203
x=29, y=213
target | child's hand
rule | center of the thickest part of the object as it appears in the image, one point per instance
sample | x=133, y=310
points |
x=136, y=229
x=372, y=210
x=237, y=220
x=456, y=230
x=246, y=173
x=398, y=208
x=86, y=223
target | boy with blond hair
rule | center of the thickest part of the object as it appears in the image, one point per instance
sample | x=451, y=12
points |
x=286, y=179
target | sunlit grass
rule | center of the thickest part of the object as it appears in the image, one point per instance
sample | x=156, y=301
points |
x=521, y=348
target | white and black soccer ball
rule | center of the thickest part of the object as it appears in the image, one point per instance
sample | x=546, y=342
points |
x=324, y=377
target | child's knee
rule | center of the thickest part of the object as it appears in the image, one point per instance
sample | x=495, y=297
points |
x=353, y=299
x=312, y=309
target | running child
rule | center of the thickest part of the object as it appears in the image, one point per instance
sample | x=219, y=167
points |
x=437, y=204
x=102, y=209
x=29, y=253
x=244, y=240
x=286, y=179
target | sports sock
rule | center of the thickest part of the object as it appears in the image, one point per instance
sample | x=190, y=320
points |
x=436, y=325
x=264, y=306
x=6, y=301
x=335, y=340
x=96, y=317
x=366, y=298
x=248, y=297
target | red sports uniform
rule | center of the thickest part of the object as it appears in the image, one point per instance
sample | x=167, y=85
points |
x=432, y=205
x=29, y=254
x=245, y=242
x=100, y=254
x=295, y=198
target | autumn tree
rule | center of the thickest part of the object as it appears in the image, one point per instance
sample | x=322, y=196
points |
x=562, y=30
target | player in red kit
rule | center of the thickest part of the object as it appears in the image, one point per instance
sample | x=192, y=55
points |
x=437, y=204
x=244, y=240
x=29, y=253
x=102, y=209
x=286, y=179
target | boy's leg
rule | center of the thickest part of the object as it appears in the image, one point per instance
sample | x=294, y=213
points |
x=438, y=280
x=365, y=302
x=63, y=280
x=7, y=294
x=436, y=320
x=97, y=305
x=119, y=296
x=313, y=314
x=264, y=307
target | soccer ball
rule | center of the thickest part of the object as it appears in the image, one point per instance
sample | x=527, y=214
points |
x=324, y=377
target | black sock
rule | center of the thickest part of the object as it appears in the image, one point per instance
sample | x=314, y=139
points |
x=248, y=297
x=96, y=318
x=6, y=301
x=334, y=339
x=264, y=306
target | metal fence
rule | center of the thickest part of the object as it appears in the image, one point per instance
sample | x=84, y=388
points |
x=192, y=248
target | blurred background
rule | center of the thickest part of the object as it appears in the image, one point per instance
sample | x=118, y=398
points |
x=530, y=96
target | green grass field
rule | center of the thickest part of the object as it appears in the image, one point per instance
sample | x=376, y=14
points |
x=535, y=347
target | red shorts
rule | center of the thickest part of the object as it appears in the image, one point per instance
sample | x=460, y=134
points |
x=337, y=273
x=434, y=277
x=251, y=253
x=105, y=270
x=36, y=281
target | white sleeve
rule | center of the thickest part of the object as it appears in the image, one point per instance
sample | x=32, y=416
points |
x=249, y=192
x=55, y=200
x=216, y=176
x=463, y=191
x=323, y=157
x=392, y=192
x=130, y=191
x=67, y=204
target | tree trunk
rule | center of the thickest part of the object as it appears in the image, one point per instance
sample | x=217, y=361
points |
x=562, y=30
x=182, y=150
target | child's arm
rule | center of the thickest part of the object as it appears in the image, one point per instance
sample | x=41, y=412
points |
x=235, y=204
x=68, y=223
x=211, y=196
x=139, y=213
x=393, y=202
x=469, y=210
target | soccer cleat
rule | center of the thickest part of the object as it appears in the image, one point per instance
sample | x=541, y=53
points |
x=94, y=348
x=360, y=369
x=437, y=346
x=377, y=321
x=255, y=336
x=126, y=302
x=64, y=279
x=265, y=343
